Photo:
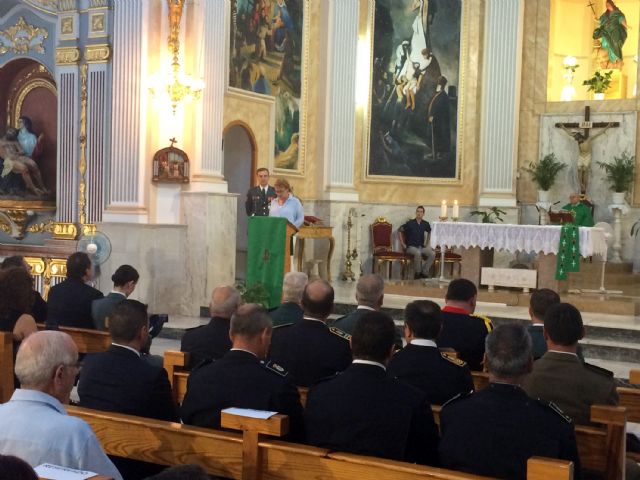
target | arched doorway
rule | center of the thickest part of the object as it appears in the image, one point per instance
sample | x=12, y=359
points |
x=239, y=165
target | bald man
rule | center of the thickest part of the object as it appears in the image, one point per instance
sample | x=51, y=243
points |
x=35, y=424
x=311, y=350
x=211, y=341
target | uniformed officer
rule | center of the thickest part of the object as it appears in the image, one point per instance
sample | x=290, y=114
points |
x=421, y=363
x=463, y=331
x=365, y=410
x=495, y=431
x=259, y=197
x=239, y=379
x=310, y=350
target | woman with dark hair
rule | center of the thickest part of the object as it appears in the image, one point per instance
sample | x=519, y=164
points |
x=16, y=286
x=612, y=31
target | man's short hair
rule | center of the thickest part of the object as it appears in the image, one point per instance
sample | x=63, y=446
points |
x=420, y=207
x=461, y=290
x=541, y=300
x=14, y=261
x=293, y=286
x=369, y=289
x=224, y=301
x=563, y=324
x=424, y=318
x=77, y=265
x=250, y=320
x=373, y=337
x=40, y=354
x=124, y=274
x=508, y=350
x=126, y=320
x=262, y=169
x=317, y=299
x=14, y=468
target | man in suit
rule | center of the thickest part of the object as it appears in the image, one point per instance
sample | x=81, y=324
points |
x=69, y=302
x=240, y=379
x=365, y=410
x=495, y=431
x=541, y=300
x=310, y=350
x=259, y=197
x=290, y=311
x=463, y=331
x=120, y=380
x=124, y=281
x=421, y=364
x=212, y=341
x=369, y=295
x=561, y=377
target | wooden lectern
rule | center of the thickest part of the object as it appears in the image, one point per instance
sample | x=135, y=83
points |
x=289, y=233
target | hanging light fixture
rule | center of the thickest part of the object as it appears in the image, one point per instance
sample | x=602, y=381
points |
x=175, y=86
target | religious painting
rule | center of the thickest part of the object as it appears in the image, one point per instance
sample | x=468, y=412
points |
x=266, y=51
x=414, y=92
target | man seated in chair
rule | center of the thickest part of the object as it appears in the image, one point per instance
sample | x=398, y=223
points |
x=413, y=240
x=583, y=216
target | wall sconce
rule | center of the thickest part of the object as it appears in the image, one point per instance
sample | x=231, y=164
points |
x=569, y=64
x=175, y=86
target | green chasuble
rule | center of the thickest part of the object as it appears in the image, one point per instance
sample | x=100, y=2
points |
x=568, y=259
x=583, y=216
x=265, y=255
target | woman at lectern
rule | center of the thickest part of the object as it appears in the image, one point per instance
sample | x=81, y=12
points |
x=285, y=204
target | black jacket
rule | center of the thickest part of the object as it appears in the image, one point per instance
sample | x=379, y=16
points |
x=288, y=312
x=69, y=304
x=257, y=203
x=465, y=334
x=210, y=341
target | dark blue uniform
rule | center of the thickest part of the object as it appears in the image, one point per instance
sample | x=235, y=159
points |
x=495, y=431
x=240, y=380
x=465, y=334
x=365, y=411
x=288, y=312
x=310, y=350
x=209, y=341
x=437, y=375
x=258, y=202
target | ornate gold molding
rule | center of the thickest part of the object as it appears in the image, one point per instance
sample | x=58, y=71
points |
x=64, y=231
x=22, y=38
x=67, y=56
x=82, y=193
x=89, y=229
x=25, y=90
x=97, y=53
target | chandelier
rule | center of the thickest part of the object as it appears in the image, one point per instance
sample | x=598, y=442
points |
x=175, y=86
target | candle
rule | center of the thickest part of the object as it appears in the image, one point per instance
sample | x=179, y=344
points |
x=456, y=210
x=443, y=209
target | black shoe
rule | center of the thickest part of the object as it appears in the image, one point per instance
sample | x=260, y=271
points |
x=417, y=276
x=424, y=275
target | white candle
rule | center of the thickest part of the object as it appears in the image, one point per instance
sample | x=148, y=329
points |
x=443, y=209
x=456, y=209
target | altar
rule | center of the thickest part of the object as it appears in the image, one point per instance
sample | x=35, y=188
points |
x=476, y=240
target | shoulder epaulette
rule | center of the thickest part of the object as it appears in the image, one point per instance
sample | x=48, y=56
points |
x=457, y=397
x=555, y=408
x=340, y=333
x=455, y=361
x=283, y=325
x=600, y=370
x=275, y=368
x=486, y=320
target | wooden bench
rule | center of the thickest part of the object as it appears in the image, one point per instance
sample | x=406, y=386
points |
x=87, y=340
x=6, y=366
x=225, y=453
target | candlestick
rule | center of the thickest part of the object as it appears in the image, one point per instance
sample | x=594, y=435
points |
x=443, y=209
x=456, y=210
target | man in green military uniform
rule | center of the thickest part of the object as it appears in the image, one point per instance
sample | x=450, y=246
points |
x=582, y=213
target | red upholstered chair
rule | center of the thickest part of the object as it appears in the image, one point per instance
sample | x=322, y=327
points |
x=449, y=258
x=383, y=253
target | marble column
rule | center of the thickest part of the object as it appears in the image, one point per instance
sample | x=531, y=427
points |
x=501, y=102
x=342, y=62
x=125, y=185
x=206, y=173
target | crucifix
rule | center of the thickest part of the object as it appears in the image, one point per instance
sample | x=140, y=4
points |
x=580, y=133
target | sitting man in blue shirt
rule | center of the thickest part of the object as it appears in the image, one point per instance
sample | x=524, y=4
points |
x=414, y=243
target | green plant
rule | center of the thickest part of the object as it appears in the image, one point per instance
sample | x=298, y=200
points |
x=599, y=83
x=544, y=172
x=620, y=172
x=491, y=215
x=255, y=293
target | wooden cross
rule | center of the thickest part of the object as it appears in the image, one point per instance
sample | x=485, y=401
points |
x=586, y=125
x=173, y=140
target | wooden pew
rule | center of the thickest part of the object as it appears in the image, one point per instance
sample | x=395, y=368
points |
x=6, y=366
x=177, y=366
x=221, y=453
x=630, y=397
x=87, y=341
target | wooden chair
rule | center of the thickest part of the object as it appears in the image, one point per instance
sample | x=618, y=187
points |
x=383, y=252
x=6, y=366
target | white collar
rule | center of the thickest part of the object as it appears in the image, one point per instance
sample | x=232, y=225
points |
x=127, y=347
x=370, y=362
x=564, y=353
x=537, y=324
x=365, y=307
x=314, y=319
x=242, y=350
x=117, y=293
x=423, y=342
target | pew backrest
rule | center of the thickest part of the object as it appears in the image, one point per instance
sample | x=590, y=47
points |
x=87, y=341
x=6, y=366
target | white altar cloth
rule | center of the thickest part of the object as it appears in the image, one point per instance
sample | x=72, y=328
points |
x=524, y=238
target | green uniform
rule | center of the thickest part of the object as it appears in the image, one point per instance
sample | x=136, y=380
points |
x=583, y=217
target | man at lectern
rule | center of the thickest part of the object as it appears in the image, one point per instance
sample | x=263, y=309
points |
x=583, y=216
x=259, y=197
x=285, y=204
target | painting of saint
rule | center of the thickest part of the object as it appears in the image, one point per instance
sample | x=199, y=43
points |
x=414, y=101
x=265, y=58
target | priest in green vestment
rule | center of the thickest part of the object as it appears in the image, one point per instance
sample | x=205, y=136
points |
x=582, y=213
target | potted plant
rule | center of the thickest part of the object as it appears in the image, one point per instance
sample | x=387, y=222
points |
x=619, y=174
x=544, y=174
x=492, y=215
x=598, y=83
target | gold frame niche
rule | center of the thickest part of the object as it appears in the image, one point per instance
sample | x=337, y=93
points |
x=458, y=180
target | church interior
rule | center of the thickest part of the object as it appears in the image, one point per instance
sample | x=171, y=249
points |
x=140, y=125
